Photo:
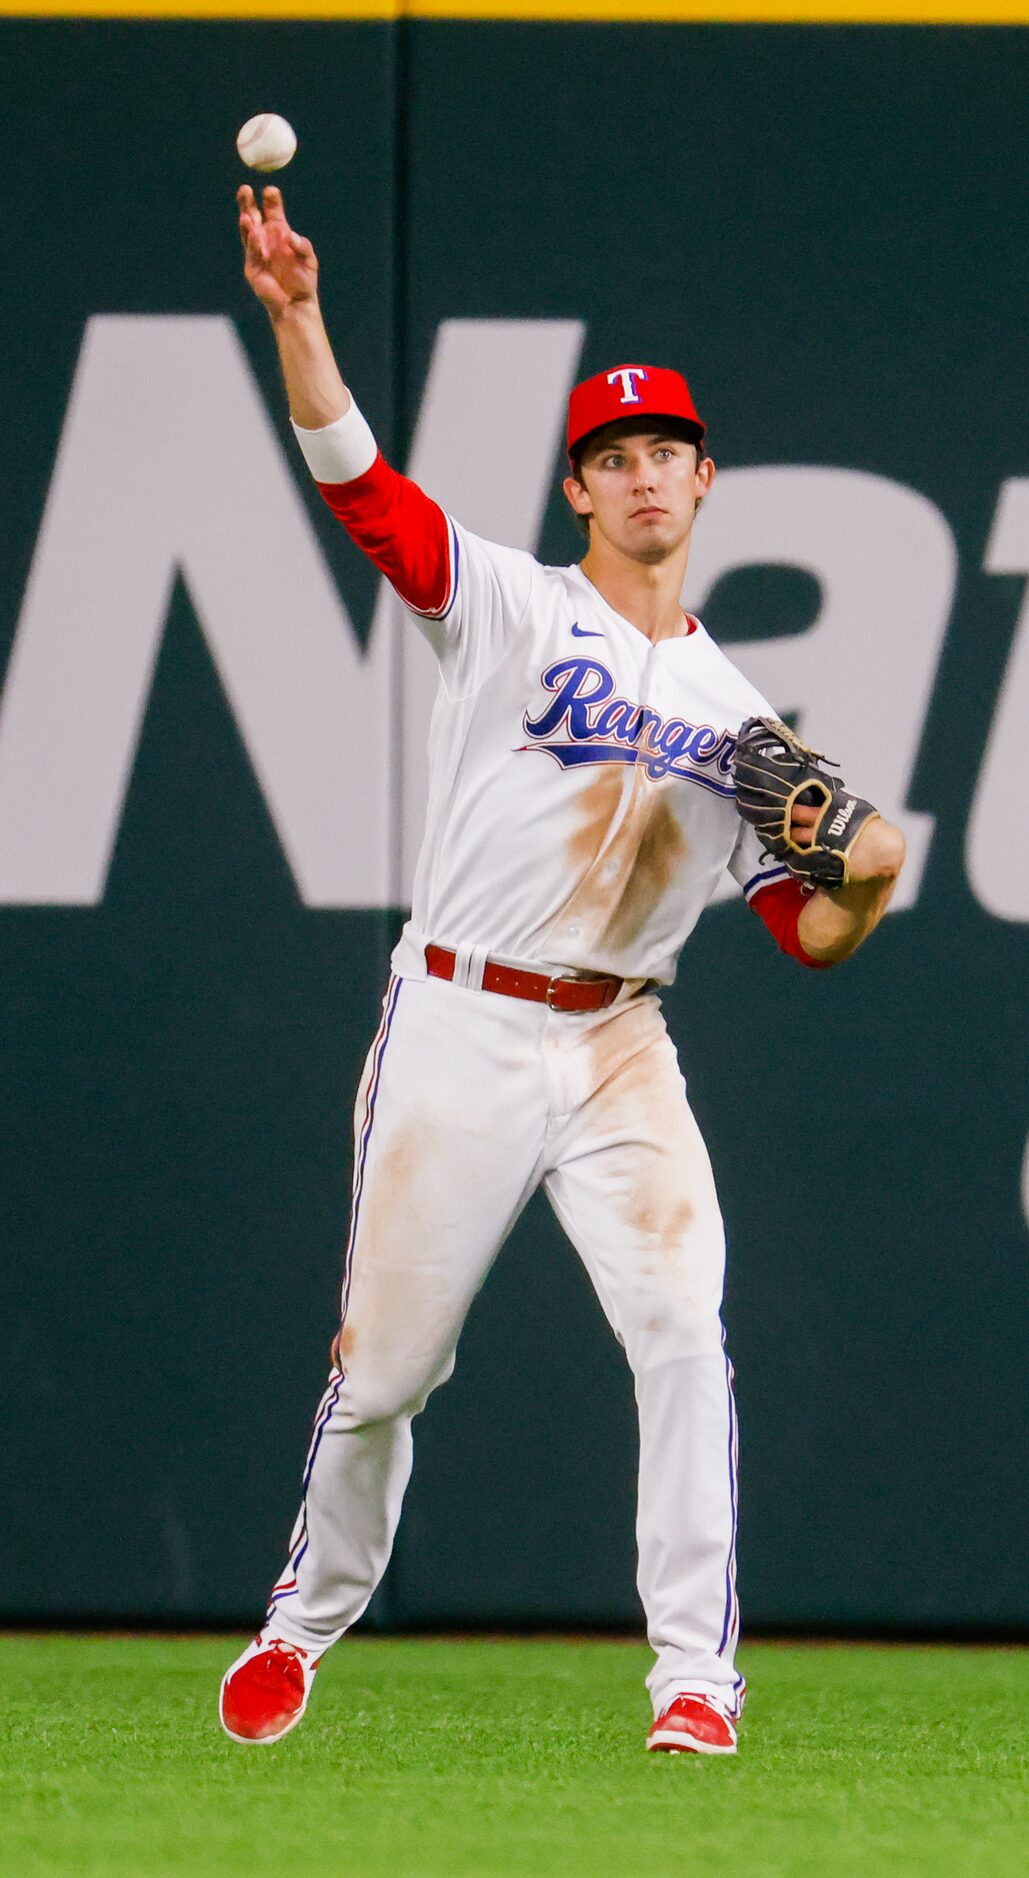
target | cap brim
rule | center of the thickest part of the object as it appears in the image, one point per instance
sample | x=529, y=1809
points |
x=685, y=427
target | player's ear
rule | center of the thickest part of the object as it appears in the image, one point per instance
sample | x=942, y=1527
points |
x=705, y=476
x=577, y=496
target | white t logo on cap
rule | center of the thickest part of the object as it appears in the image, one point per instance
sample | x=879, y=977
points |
x=628, y=375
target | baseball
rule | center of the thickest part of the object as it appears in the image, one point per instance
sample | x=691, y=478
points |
x=266, y=142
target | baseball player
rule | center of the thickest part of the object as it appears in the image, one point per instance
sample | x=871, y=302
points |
x=589, y=784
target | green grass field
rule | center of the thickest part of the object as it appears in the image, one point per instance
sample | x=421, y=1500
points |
x=462, y=1758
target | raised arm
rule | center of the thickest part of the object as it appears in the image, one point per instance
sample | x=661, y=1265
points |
x=282, y=268
x=394, y=522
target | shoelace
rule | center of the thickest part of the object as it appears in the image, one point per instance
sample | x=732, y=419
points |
x=708, y=1701
x=283, y=1648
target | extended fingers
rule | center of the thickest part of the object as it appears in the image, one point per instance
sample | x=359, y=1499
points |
x=271, y=202
x=255, y=241
x=249, y=214
x=802, y=822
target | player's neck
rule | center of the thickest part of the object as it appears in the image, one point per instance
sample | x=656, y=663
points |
x=646, y=594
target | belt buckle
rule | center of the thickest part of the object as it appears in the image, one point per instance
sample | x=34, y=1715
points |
x=552, y=984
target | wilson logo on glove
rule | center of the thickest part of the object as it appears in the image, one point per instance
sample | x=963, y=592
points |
x=839, y=822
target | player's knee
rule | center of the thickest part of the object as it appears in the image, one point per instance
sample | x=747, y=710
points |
x=384, y=1392
x=674, y=1331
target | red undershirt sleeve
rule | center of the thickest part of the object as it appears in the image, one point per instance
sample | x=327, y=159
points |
x=403, y=531
x=780, y=905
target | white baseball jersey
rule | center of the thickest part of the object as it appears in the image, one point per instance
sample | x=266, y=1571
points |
x=581, y=805
x=581, y=812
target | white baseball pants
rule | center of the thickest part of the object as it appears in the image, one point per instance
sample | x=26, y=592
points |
x=468, y=1100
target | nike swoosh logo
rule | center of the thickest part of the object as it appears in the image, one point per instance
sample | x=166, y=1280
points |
x=581, y=632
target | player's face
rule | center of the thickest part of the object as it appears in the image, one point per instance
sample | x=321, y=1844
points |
x=641, y=488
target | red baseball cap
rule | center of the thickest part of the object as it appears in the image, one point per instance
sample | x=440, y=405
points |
x=629, y=391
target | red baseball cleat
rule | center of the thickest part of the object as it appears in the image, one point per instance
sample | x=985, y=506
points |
x=265, y=1692
x=693, y=1724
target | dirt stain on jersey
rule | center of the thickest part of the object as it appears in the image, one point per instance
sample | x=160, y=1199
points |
x=400, y=1307
x=634, y=1098
x=662, y=1217
x=629, y=872
x=598, y=806
x=398, y=1165
x=610, y=1044
x=342, y=1346
x=662, y=845
x=386, y=1229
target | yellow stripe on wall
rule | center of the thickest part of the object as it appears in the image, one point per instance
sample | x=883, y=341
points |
x=784, y=12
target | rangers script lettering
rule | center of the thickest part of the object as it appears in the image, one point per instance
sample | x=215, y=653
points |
x=617, y=730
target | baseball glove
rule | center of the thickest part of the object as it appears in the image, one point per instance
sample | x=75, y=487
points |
x=774, y=770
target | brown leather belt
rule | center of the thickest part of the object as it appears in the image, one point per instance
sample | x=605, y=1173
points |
x=558, y=994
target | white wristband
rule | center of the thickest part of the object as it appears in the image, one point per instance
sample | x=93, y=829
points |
x=341, y=450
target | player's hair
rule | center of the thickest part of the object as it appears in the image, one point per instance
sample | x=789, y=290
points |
x=676, y=428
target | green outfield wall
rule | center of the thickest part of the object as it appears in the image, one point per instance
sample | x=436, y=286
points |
x=210, y=778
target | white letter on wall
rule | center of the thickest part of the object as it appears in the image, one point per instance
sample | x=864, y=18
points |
x=169, y=463
x=997, y=844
